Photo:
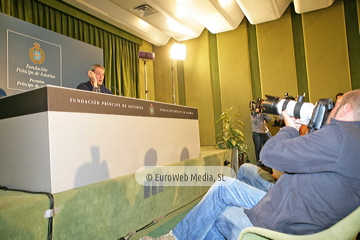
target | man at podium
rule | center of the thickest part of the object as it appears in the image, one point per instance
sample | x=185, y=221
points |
x=96, y=79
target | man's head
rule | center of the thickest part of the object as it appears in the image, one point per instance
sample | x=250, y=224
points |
x=347, y=108
x=99, y=70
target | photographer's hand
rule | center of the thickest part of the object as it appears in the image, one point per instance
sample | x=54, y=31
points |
x=289, y=121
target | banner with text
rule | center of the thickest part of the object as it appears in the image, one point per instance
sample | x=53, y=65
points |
x=32, y=57
x=32, y=62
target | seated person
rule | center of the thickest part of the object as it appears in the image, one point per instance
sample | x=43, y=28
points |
x=261, y=177
x=96, y=78
x=319, y=187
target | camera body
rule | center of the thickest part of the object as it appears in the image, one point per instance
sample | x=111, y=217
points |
x=279, y=123
x=306, y=113
x=256, y=106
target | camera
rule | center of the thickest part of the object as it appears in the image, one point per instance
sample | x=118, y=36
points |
x=256, y=106
x=279, y=123
x=307, y=113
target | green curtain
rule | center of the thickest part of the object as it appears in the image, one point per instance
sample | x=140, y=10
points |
x=120, y=55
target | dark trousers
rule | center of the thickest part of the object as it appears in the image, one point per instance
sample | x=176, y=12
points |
x=259, y=140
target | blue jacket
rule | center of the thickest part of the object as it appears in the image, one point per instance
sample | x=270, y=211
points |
x=88, y=87
x=322, y=180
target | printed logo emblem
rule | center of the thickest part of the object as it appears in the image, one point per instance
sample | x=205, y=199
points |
x=151, y=109
x=36, y=54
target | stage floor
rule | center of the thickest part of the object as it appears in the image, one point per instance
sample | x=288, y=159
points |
x=210, y=150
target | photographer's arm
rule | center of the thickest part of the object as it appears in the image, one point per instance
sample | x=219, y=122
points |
x=266, y=117
x=314, y=152
x=303, y=130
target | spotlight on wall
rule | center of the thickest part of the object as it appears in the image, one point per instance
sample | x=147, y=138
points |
x=177, y=52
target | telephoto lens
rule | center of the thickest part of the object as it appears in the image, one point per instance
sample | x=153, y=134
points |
x=276, y=105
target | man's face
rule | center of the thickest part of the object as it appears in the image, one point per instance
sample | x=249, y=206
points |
x=99, y=75
x=335, y=110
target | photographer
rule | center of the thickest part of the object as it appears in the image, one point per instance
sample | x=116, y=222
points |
x=258, y=127
x=320, y=186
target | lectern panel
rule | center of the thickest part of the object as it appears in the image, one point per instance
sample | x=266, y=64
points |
x=56, y=139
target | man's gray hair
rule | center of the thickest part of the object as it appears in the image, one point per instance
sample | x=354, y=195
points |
x=95, y=66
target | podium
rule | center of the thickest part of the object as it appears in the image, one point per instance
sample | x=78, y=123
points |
x=55, y=139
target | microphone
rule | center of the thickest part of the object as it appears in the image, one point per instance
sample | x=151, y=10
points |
x=120, y=94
